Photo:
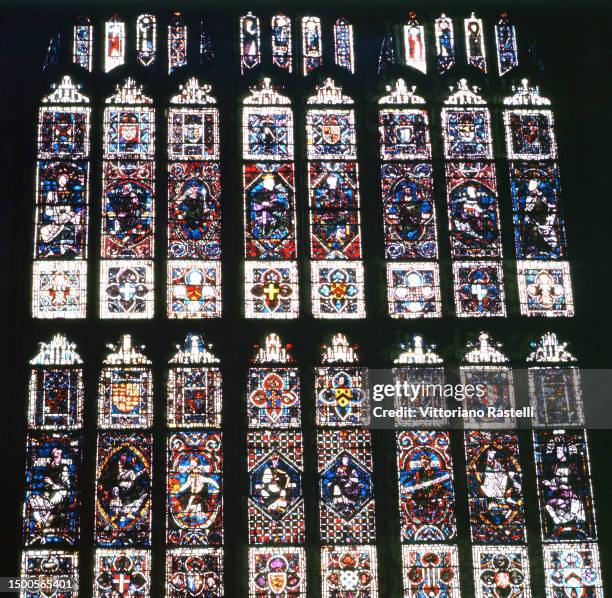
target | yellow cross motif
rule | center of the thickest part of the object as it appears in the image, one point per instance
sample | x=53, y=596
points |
x=271, y=291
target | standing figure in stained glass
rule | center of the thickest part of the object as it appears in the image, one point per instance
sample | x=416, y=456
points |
x=50, y=503
x=344, y=486
x=563, y=504
x=197, y=494
x=276, y=487
x=270, y=209
x=123, y=488
x=540, y=221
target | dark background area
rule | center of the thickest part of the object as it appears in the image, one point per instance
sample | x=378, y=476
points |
x=571, y=61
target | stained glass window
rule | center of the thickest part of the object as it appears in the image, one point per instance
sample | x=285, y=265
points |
x=343, y=44
x=501, y=570
x=563, y=473
x=194, y=209
x=545, y=288
x=273, y=388
x=473, y=210
x=346, y=487
x=312, y=44
x=555, y=386
x=445, y=43
x=426, y=489
x=475, y=43
x=59, y=279
x=426, y=566
x=341, y=386
x=128, y=181
x=194, y=386
x=505, y=41
x=125, y=388
x=51, y=507
x=146, y=39
x=413, y=288
x=282, y=45
x=333, y=185
x=275, y=497
x=484, y=365
x=279, y=567
x=190, y=569
x=414, y=44
x=82, y=43
x=123, y=490
x=122, y=572
x=56, y=387
x=539, y=227
x=194, y=505
x=250, y=42
x=572, y=569
x=419, y=365
x=275, y=456
x=349, y=571
x=44, y=564
x=271, y=285
x=114, y=44
x=495, y=487
x=177, y=43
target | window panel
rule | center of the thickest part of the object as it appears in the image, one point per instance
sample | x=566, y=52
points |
x=194, y=507
x=341, y=386
x=505, y=41
x=123, y=501
x=495, y=488
x=37, y=565
x=414, y=44
x=250, y=42
x=114, y=44
x=194, y=386
x=545, y=289
x=177, y=43
x=501, y=569
x=473, y=210
x=271, y=290
x=349, y=571
x=563, y=474
x=337, y=289
x=345, y=484
x=122, y=572
x=273, y=568
x=479, y=289
x=430, y=565
x=82, y=43
x=146, y=39
x=572, y=569
x=202, y=565
x=445, y=43
x=275, y=498
x=59, y=289
x=474, y=43
x=539, y=226
x=426, y=489
x=312, y=44
x=282, y=48
x=51, y=507
x=334, y=210
x=413, y=290
x=269, y=210
x=343, y=45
